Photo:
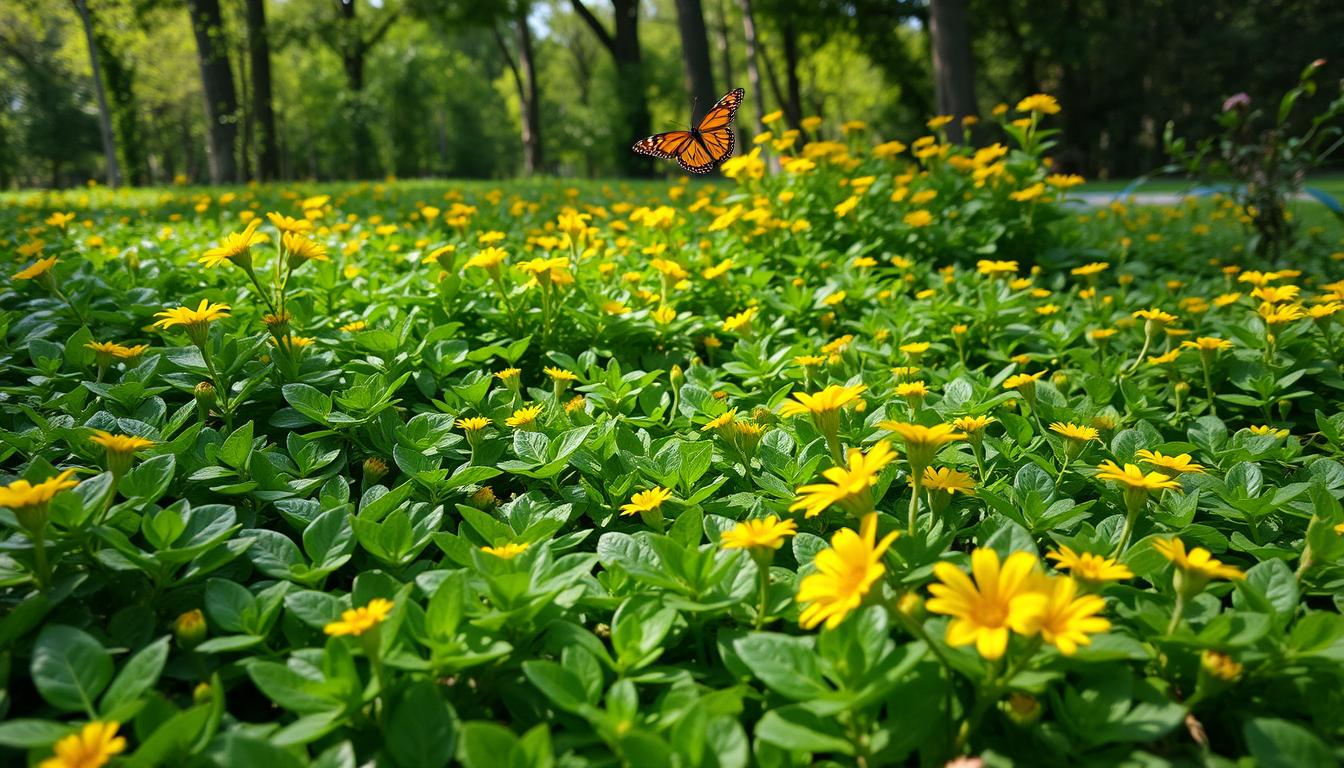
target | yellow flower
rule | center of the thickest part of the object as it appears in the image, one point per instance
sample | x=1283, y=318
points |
x=488, y=259
x=995, y=268
x=1089, y=567
x=1040, y=103
x=559, y=374
x=844, y=574
x=759, y=534
x=119, y=449
x=972, y=425
x=473, y=424
x=1133, y=479
x=301, y=249
x=357, y=621
x=1207, y=344
x=194, y=321
x=912, y=389
x=735, y=323
x=286, y=224
x=1023, y=382
x=544, y=270
x=999, y=601
x=1265, y=429
x=947, y=480
x=524, y=417
x=60, y=220
x=918, y=219
x=235, y=247
x=1089, y=270
x=846, y=206
x=828, y=401
x=921, y=442
x=1276, y=294
x=646, y=501
x=506, y=551
x=1076, y=432
x=1068, y=619
x=1028, y=193
x=29, y=502
x=36, y=269
x=1280, y=315
x=1064, y=181
x=721, y=421
x=1197, y=564
x=811, y=123
x=92, y=747
x=508, y=375
x=850, y=487
x=354, y=326
x=1170, y=465
x=1219, y=665
x=1155, y=315
x=773, y=117
x=1167, y=357
x=663, y=315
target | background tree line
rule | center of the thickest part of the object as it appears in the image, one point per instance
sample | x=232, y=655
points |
x=148, y=91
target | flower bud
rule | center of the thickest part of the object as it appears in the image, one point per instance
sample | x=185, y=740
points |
x=1022, y=708
x=190, y=628
x=205, y=395
x=201, y=694
x=374, y=470
x=484, y=498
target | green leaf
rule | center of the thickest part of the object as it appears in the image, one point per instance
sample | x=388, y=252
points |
x=422, y=728
x=483, y=744
x=562, y=687
x=798, y=729
x=70, y=668
x=138, y=675
x=1280, y=744
x=32, y=734
x=787, y=664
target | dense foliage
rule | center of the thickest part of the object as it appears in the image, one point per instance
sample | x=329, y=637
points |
x=890, y=456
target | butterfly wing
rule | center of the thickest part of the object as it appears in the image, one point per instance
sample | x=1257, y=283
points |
x=707, y=150
x=721, y=116
x=665, y=145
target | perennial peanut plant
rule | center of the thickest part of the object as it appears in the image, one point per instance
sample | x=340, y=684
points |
x=875, y=453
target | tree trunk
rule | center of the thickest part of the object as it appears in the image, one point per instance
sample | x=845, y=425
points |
x=631, y=94
x=221, y=101
x=104, y=112
x=753, y=66
x=263, y=112
x=953, y=67
x=725, y=47
x=530, y=112
x=698, y=72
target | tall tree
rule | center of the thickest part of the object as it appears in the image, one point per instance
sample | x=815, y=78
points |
x=696, y=68
x=104, y=111
x=623, y=44
x=522, y=64
x=221, y=100
x=351, y=38
x=263, y=112
x=953, y=67
x=753, y=64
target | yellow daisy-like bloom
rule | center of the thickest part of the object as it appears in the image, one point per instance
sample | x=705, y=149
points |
x=912, y=389
x=809, y=361
x=59, y=219
x=94, y=745
x=1090, y=270
x=1220, y=666
x=524, y=417
x=194, y=321
x=488, y=259
x=354, y=326
x=850, y=486
x=1023, y=381
x=559, y=374
x=287, y=224
x=36, y=269
x=1277, y=294
x=1163, y=359
x=301, y=249
x=506, y=551
x=845, y=574
x=357, y=621
x=646, y=501
x=1067, y=618
x=235, y=247
x=1073, y=431
x=473, y=423
x=1198, y=563
x=1170, y=465
x=22, y=495
x=1000, y=600
x=1155, y=315
x=736, y=323
x=1207, y=344
x=759, y=534
x=918, y=219
x=996, y=268
x=828, y=401
x=720, y=421
x=1280, y=314
x=1133, y=478
x=1089, y=567
x=544, y=270
x=1041, y=103
x=664, y=315
x=973, y=426
x=508, y=374
x=1265, y=429
x=948, y=480
x=125, y=444
x=921, y=442
x=1028, y=193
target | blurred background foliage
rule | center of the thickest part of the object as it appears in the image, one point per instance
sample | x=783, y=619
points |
x=499, y=88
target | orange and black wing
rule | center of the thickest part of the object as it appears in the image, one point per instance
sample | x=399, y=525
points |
x=665, y=145
x=721, y=116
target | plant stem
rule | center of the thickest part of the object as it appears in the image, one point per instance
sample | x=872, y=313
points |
x=40, y=560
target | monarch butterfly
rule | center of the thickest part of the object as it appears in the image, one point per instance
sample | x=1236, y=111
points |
x=705, y=145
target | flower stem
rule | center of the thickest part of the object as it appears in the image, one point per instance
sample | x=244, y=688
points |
x=916, y=485
x=40, y=560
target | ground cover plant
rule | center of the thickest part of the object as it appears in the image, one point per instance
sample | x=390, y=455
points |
x=877, y=453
